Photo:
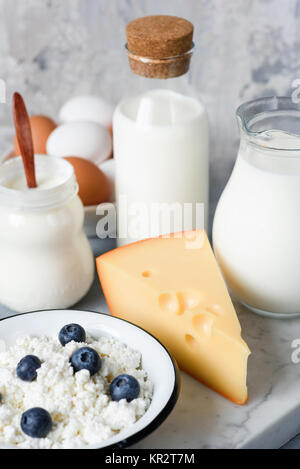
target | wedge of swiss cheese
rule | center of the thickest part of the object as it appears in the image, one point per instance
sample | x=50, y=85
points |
x=173, y=288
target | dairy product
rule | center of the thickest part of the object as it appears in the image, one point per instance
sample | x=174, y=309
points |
x=173, y=288
x=161, y=156
x=46, y=260
x=80, y=406
x=257, y=230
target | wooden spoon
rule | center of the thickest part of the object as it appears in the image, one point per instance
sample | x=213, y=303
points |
x=24, y=137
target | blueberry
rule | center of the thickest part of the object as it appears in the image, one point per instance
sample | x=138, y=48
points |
x=26, y=368
x=86, y=358
x=71, y=332
x=36, y=422
x=124, y=387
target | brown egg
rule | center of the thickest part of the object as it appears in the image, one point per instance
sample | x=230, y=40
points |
x=41, y=128
x=94, y=186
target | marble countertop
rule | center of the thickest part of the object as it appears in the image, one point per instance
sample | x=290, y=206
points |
x=203, y=419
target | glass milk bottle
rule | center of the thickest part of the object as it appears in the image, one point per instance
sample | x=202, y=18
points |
x=46, y=259
x=161, y=135
x=256, y=231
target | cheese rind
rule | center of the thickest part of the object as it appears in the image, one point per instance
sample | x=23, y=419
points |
x=174, y=289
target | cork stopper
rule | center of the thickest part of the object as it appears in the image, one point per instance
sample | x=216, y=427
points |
x=160, y=46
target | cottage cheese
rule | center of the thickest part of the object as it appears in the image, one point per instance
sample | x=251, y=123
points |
x=80, y=406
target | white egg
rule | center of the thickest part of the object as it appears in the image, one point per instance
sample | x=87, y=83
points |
x=85, y=139
x=108, y=168
x=87, y=108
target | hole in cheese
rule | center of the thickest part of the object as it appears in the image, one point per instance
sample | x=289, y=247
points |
x=146, y=274
x=168, y=303
x=203, y=324
x=190, y=340
x=189, y=299
x=214, y=309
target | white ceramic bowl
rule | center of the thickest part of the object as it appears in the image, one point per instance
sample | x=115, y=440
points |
x=158, y=363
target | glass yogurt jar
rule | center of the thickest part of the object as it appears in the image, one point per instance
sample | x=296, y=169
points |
x=45, y=259
x=256, y=229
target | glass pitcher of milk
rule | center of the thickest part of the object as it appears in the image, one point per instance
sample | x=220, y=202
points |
x=161, y=135
x=256, y=230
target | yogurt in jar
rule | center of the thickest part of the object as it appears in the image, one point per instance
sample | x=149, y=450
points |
x=46, y=260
